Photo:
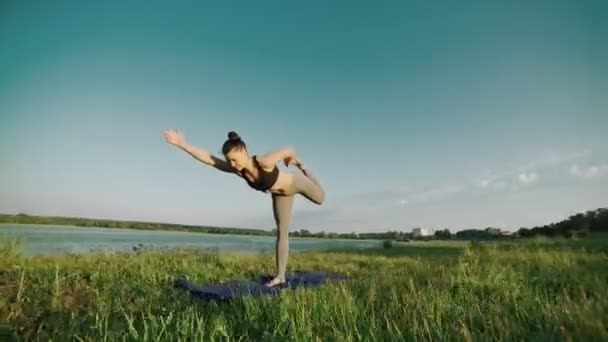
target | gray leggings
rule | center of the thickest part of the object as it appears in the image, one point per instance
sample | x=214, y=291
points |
x=306, y=185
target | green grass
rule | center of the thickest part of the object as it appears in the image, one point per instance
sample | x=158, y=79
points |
x=541, y=290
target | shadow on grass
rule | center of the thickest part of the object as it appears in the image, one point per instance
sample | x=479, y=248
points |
x=401, y=250
x=594, y=244
x=7, y=333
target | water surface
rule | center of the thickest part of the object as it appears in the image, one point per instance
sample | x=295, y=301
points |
x=57, y=239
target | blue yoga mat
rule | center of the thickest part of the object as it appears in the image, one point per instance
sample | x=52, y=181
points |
x=255, y=287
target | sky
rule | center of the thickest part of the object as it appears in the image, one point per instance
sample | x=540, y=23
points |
x=411, y=114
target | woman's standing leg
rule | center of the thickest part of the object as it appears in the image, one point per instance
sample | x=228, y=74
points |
x=282, y=209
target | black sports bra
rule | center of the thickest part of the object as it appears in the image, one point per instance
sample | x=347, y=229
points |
x=265, y=179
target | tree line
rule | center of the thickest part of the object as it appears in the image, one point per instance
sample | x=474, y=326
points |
x=103, y=223
x=579, y=224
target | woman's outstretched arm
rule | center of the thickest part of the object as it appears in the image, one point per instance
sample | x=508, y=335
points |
x=176, y=138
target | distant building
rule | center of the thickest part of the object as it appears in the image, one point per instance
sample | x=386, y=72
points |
x=417, y=232
x=498, y=231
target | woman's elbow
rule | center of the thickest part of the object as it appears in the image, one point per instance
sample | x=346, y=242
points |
x=290, y=152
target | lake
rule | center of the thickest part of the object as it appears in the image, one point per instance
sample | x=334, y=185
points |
x=54, y=239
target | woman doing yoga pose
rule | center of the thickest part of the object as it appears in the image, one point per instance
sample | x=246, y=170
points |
x=262, y=174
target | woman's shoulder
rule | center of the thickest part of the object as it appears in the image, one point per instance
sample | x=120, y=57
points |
x=262, y=164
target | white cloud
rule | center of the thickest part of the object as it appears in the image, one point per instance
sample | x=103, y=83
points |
x=589, y=172
x=487, y=184
x=575, y=170
x=528, y=178
x=555, y=159
x=410, y=194
x=500, y=185
x=434, y=193
x=525, y=173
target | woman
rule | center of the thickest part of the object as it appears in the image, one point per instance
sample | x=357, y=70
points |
x=262, y=174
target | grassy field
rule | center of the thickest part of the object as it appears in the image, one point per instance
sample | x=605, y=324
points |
x=539, y=290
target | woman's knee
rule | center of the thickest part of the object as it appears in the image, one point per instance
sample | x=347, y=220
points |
x=319, y=198
x=282, y=234
x=310, y=190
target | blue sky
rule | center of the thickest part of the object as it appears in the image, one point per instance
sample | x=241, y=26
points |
x=469, y=114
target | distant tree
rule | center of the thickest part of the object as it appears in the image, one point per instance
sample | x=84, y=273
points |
x=579, y=224
x=305, y=232
x=443, y=234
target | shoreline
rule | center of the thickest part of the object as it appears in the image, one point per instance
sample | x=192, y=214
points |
x=168, y=231
x=54, y=239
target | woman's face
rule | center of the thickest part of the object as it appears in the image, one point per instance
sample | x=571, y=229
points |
x=236, y=158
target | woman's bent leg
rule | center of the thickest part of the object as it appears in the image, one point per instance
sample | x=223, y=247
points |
x=308, y=186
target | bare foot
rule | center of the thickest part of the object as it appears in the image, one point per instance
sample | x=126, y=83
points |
x=274, y=282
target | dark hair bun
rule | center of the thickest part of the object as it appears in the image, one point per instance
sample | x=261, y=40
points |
x=232, y=135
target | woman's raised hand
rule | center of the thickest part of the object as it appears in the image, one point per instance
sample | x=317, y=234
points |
x=174, y=136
